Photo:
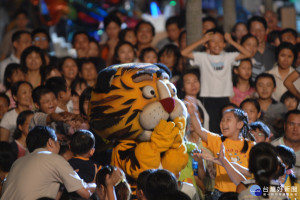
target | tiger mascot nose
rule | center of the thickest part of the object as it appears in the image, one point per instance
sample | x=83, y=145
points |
x=168, y=104
x=165, y=95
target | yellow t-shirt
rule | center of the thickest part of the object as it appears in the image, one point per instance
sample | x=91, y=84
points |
x=233, y=153
x=293, y=192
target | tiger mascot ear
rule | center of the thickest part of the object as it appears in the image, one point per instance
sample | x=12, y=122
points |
x=103, y=80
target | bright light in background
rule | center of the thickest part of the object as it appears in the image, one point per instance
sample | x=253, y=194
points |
x=172, y=3
x=154, y=9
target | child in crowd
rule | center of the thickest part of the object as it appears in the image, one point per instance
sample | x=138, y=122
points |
x=124, y=53
x=242, y=84
x=94, y=48
x=290, y=80
x=88, y=71
x=236, y=138
x=79, y=85
x=84, y=100
x=4, y=104
x=215, y=66
x=289, y=35
x=289, y=100
x=62, y=92
x=141, y=183
x=272, y=112
x=226, y=107
x=289, y=179
x=250, y=43
x=238, y=31
x=264, y=165
x=13, y=73
x=170, y=56
x=112, y=184
x=274, y=38
x=127, y=35
x=285, y=56
x=21, y=132
x=252, y=108
x=69, y=69
x=189, y=86
x=21, y=92
x=148, y=55
x=260, y=131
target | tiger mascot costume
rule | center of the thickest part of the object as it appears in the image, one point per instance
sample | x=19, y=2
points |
x=134, y=107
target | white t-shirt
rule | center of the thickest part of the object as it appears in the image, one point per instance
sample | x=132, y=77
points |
x=215, y=73
x=9, y=122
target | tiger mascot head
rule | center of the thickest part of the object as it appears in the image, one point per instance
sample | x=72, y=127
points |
x=129, y=100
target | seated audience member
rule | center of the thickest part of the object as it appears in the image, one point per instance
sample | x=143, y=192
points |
x=145, y=33
x=238, y=31
x=252, y=108
x=62, y=92
x=4, y=104
x=173, y=27
x=21, y=133
x=264, y=165
x=289, y=35
x=291, y=136
x=148, y=55
x=87, y=71
x=286, y=57
x=84, y=100
x=45, y=169
x=124, y=53
x=272, y=112
x=289, y=179
x=260, y=131
x=52, y=71
x=289, y=100
x=7, y=158
x=111, y=184
x=141, y=184
x=272, y=21
x=208, y=23
x=21, y=92
x=13, y=73
x=94, y=49
x=80, y=42
x=128, y=35
x=79, y=85
x=69, y=69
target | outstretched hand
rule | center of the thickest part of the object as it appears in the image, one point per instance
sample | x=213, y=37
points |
x=228, y=37
x=191, y=105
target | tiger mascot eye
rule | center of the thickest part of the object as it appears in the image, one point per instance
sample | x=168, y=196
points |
x=134, y=107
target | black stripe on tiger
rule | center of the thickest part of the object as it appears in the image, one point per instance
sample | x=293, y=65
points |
x=98, y=115
x=104, y=123
x=105, y=100
x=133, y=115
x=125, y=86
x=130, y=101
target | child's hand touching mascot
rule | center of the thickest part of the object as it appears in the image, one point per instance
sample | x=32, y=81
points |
x=135, y=107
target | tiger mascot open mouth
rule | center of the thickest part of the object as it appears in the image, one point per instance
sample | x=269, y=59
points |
x=135, y=107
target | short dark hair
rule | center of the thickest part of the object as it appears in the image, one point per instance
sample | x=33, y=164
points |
x=102, y=173
x=144, y=22
x=123, y=32
x=20, y=121
x=262, y=127
x=169, y=49
x=17, y=35
x=286, y=116
x=173, y=20
x=77, y=81
x=9, y=70
x=265, y=75
x=257, y=19
x=287, y=95
x=40, y=30
x=273, y=35
x=82, y=142
x=56, y=84
x=147, y=50
x=82, y=61
x=247, y=36
x=15, y=87
x=142, y=178
x=78, y=33
x=288, y=30
x=20, y=11
x=39, y=136
x=210, y=19
x=116, y=59
x=38, y=92
x=111, y=18
x=286, y=45
x=253, y=101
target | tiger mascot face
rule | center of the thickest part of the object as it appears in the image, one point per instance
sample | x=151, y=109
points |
x=129, y=100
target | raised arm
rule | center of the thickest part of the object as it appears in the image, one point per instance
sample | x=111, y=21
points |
x=244, y=53
x=188, y=51
x=191, y=107
x=289, y=83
